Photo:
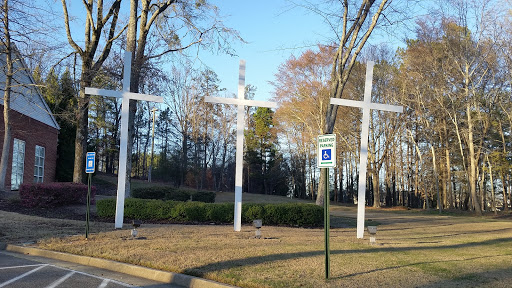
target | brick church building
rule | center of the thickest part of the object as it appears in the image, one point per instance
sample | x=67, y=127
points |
x=33, y=147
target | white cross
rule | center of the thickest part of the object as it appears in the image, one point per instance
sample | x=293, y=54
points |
x=126, y=96
x=366, y=105
x=240, y=123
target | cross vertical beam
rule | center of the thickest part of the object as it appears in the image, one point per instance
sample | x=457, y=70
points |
x=126, y=96
x=241, y=102
x=123, y=143
x=367, y=106
x=239, y=157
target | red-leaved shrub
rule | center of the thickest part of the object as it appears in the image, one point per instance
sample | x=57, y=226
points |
x=54, y=194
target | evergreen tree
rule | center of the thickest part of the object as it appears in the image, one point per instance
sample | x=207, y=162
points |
x=264, y=164
x=59, y=94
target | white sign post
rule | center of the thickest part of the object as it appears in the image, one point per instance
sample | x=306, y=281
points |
x=126, y=96
x=367, y=106
x=241, y=102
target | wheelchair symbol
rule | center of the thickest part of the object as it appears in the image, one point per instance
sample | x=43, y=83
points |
x=326, y=154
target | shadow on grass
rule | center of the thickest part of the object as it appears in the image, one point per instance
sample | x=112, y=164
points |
x=412, y=265
x=454, y=234
x=482, y=279
x=229, y=264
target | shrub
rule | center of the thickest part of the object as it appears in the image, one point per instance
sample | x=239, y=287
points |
x=170, y=193
x=302, y=215
x=54, y=194
x=154, y=192
x=252, y=211
x=178, y=195
x=312, y=216
x=195, y=212
x=106, y=208
x=220, y=213
x=276, y=214
x=204, y=196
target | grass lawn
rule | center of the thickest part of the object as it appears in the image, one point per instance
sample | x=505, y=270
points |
x=413, y=250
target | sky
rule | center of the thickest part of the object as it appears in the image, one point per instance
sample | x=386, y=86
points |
x=273, y=30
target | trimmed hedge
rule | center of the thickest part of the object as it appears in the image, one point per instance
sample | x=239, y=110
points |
x=170, y=193
x=290, y=214
x=54, y=194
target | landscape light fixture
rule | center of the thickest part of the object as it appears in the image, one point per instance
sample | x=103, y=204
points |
x=257, y=224
x=135, y=224
x=373, y=231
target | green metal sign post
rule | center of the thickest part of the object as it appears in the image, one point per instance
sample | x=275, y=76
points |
x=90, y=165
x=326, y=158
x=327, y=225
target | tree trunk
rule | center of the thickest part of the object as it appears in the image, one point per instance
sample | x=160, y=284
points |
x=82, y=118
x=131, y=46
x=343, y=63
x=436, y=183
x=7, y=98
x=335, y=171
x=93, y=33
x=376, y=190
x=472, y=171
x=502, y=176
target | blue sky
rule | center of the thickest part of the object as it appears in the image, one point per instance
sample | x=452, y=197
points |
x=273, y=30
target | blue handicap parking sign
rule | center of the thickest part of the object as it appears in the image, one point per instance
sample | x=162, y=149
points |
x=90, y=160
x=326, y=154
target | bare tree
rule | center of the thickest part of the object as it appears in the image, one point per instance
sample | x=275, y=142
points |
x=7, y=50
x=356, y=28
x=188, y=24
x=21, y=28
x=92, y=57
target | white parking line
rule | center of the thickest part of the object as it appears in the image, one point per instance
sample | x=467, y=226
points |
x=21, y=266
x=104, y=283
x=97, y=277
x=22, y=275
x=62, y=279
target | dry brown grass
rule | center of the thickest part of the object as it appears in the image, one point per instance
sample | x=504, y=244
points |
x=413, y=250
x=21, y=229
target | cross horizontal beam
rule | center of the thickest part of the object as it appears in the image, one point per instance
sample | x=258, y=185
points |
x=122, y=94
x=361, y=104
x=244, y=102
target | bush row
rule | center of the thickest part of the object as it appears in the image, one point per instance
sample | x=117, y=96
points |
x=290, y=214
x=54, y=194
x=170, y=193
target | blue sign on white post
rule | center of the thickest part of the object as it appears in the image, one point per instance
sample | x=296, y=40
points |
x=90, y=162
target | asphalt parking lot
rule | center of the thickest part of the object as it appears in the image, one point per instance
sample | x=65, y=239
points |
x=20, y=271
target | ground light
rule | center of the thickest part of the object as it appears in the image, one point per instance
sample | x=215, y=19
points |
x=257, y=224
x=135, y=224
x=373, y=231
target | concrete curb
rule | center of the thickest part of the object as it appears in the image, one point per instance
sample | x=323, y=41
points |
x=138, y=271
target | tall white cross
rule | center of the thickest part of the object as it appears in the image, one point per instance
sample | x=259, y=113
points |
x=126, y=96
x=240, y=123
x=367, y=106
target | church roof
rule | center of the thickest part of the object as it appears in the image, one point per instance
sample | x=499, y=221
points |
x=26, y=98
